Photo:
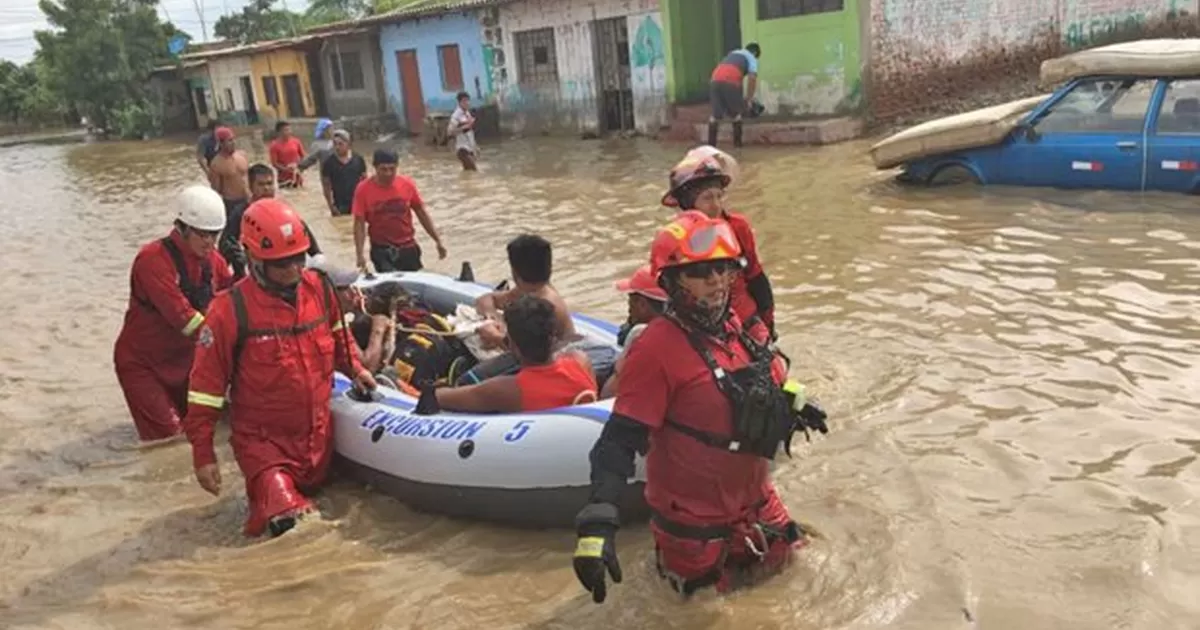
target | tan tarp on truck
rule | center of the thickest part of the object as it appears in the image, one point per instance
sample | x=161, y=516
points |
x=1147, y=57
x=968, y=130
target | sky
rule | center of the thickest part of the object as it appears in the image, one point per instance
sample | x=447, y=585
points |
x=20, y=18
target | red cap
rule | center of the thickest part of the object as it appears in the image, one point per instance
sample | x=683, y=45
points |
x=223, y=133
x=642, y=282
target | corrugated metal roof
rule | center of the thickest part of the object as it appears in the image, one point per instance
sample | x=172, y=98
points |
x=412, y=9
x=274, y=44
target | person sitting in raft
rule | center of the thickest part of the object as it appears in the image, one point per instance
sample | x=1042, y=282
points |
x=350, y=298
x=530, y=258
x=545, y=381
x=647, y=301
x=375, y=331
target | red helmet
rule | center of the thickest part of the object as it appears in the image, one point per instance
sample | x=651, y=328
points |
x=703, y=162
x=642, y=282
x=271, y=230
x=692, y=237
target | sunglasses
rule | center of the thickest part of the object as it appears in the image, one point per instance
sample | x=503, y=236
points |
x=291, y=261
x=707, y=268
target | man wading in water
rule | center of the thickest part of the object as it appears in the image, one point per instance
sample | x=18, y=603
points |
x=228, y=175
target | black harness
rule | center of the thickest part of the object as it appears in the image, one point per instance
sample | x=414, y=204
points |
x=762, y=415
x=242, y=316
x=200, y=294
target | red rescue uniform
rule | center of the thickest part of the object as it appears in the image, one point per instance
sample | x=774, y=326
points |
x=562, y=382
x=740, y=299
x=387, y=210
x=280, y=390
x=153, y=352
x=664, y=381
x=285, y=152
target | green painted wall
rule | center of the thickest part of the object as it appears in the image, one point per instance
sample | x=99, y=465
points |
x=691, y=29
x=810, y=64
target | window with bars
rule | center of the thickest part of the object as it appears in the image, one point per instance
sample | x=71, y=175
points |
x=775, y=9
x=348, y=74
x=537, y=63
x=450, y=65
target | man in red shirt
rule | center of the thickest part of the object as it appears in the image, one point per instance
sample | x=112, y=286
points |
x=383, y=208
x=172, y=281
x=709, y=404
x=698, y=182
x=286, y=152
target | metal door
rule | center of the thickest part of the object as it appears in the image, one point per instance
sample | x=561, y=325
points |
x=293, y=96
x=614, y=80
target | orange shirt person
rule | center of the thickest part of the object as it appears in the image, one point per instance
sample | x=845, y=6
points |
x=383, y=209
x=545, y=380
x=171, y=284
x=272, y=342
x=286, y=152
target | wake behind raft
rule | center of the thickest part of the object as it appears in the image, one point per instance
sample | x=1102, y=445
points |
x=527, y=469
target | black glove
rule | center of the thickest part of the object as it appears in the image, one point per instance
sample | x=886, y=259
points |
x=596, y=550
x=811, y=416
x=427, y=404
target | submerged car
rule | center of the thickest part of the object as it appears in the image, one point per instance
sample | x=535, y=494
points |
x=1126, y=117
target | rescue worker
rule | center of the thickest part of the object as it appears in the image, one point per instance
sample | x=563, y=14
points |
x=647, y=300
x=708, y=402
x=273, y=341
x=698, y=182
x=172, y=281
x=546, y=379
x=725, y=90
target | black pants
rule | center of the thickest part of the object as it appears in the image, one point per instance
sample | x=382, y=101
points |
x=391, y=258
x=230, y=245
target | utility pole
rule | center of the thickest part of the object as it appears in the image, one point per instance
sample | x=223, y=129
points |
x=199, y=4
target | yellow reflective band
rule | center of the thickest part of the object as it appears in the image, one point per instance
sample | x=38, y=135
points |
x=793, y=387
x=590, y=547
x=193, y=324
x=208, y=400
x=675, y=229
x=337, y=326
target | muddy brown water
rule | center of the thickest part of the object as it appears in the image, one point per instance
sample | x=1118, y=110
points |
x=1012, y=379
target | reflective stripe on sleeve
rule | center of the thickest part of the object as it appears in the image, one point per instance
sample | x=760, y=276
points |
x=208, y=400
x=193, y=324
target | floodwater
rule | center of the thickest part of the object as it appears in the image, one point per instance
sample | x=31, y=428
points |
x=1011, y=375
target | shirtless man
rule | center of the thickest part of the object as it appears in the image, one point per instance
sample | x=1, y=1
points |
x=530, y=259
x=228, y=175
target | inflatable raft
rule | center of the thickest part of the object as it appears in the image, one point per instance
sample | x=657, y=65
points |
x=524, y=470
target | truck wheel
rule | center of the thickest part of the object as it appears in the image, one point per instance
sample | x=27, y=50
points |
x=953, y=174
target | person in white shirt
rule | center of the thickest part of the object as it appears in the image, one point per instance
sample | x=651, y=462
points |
x=462, y=128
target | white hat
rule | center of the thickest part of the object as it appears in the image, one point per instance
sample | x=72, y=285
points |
x=201, y=207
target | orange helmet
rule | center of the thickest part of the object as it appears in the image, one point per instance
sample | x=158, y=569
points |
x=703, y=162
x=642, y=283
x=271, y=230
x=692, y=237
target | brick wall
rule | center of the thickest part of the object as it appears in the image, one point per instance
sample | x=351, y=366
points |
x=923, y=53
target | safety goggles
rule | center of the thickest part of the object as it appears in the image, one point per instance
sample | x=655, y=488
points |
x=297, y=260
x=707, y=240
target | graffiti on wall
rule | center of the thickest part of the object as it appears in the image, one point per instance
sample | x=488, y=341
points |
x=648, y=66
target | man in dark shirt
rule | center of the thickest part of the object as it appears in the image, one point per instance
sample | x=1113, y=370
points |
x=262, y=186
x=207, y=146
x=341, y=173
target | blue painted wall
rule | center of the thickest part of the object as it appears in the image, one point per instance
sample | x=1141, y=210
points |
x=425, y=35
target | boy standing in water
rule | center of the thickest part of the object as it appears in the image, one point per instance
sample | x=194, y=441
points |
x=462, y=127
x=286, y=152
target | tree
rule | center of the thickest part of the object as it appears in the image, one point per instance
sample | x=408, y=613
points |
x=258, y=22
x=99, y=54
x=328, y=11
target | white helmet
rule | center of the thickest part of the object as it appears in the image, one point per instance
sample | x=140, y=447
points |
x=201, y=207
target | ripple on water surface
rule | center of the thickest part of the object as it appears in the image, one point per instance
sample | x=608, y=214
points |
x=1010, y=374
